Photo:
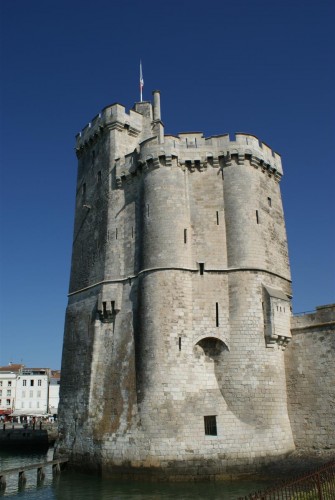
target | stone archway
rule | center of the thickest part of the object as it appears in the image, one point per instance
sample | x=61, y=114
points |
x=210, y=352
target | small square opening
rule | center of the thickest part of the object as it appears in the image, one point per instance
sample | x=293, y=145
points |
x=210, y=425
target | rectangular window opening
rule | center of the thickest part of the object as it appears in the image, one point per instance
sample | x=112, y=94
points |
x=99, y=177
x=185, y=236
x=210, y=425
x=116, y=233
x=257, y=217
x=179, y=343
x=217, y=314
x=217, y=218
x=269, y=202
x=201, y=268
x=32, y=383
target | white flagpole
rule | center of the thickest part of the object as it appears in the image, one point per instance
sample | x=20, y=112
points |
x=141, y=82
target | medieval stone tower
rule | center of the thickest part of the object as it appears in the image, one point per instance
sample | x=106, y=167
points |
x=179, y=302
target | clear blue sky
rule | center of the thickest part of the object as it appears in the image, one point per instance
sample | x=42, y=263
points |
x=262, y=67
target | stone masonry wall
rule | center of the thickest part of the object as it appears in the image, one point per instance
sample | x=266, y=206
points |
x=311, y=379
x=175, y=239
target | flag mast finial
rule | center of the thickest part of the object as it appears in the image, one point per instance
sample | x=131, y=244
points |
x=141, y=82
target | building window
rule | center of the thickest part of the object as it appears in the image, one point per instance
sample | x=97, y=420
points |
x=179, y=343
x=24, y=382
x=30, y=394
x=201, y=268
x=0, y=383
x=217, y=218
x=210, y=425
x=38, y=394
x=0, y=392
x=185, y=235
x=9, y=383
x=29, y=404
x=32, y=383
x=8, y=402
x=9, y=392
x=23, y=394
x=217, y=313
x=269, y=201
x=22, y=404
x=99, y=177
x=39, y=382
x=38, y=404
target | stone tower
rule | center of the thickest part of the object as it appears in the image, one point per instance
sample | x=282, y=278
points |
x=179, y=302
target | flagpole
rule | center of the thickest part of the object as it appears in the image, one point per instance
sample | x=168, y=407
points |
x=141, y=82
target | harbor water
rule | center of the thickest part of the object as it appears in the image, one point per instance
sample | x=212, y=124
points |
x=75, y=486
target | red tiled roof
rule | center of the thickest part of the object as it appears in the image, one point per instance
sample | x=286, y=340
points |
x=11, y=368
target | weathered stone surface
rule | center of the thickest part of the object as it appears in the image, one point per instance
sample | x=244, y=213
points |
x=311, y=379
x=179, y=303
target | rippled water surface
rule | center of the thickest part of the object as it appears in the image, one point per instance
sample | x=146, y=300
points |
x=74, y=486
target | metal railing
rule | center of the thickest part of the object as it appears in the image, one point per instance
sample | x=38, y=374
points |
x=316, y=485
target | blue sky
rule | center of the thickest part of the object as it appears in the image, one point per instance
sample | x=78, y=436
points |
x=256, y=66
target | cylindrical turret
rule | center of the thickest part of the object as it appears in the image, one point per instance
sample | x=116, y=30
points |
x=256, y=236
x=166, y=224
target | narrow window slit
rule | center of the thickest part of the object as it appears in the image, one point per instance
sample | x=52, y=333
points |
x=185, y=236
x=217, y=218
x=179, y=342
x=148, y=211
x=201, y=268
x=257, y=217
x=269, y=202
x=217, y=313
x=116, y=233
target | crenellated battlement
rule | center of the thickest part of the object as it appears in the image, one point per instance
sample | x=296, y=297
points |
x=113, y=117
x=195, y=152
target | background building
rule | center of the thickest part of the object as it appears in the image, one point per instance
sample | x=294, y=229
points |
x=8, y=379
x=54, y=385
x=32, y=391
x=28, y=391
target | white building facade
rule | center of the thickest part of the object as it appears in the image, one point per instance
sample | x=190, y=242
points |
x=32, y=392
x=8, y=378
x=7, y=392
